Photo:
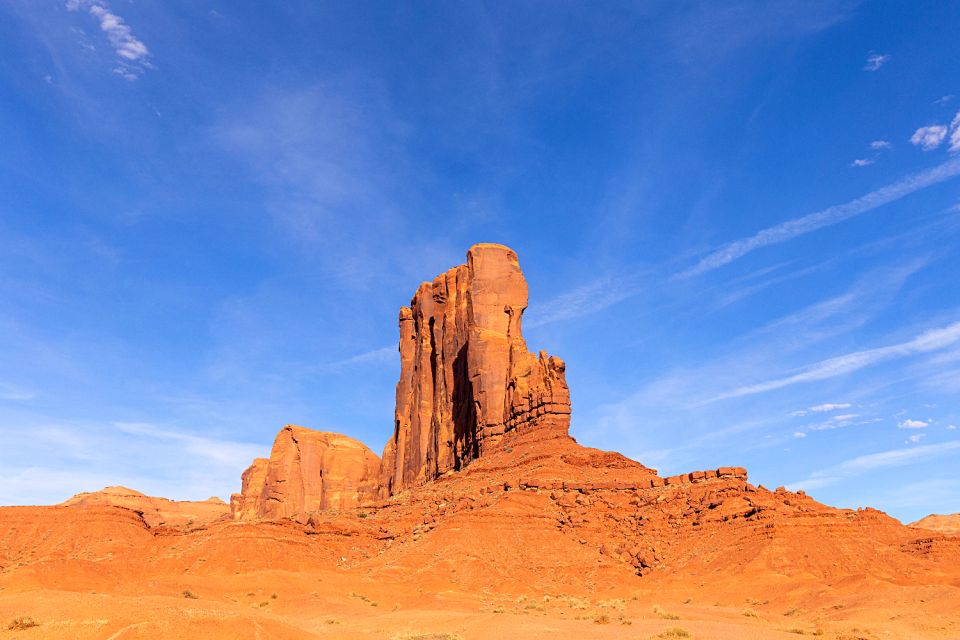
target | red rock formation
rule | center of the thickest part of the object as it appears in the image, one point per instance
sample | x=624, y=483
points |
x=246, y=504
x=948, y=524
x=307, y=471
x=466, y=375
x=155, y=511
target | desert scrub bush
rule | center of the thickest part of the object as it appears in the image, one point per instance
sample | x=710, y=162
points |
x=750, y=613
x=21, y=623
x=428, y=636
x=601, y=618
x=674, y=632
x=190, y=595
x=663, y=614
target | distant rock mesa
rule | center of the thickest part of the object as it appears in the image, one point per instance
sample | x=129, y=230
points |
x=155, y=511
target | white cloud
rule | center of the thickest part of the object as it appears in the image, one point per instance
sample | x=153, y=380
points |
x=132, y=53
x=875, y=61
x=799, y=434
x=943, y=100
x=951, y=427
x=926, y=342
x=912, y=424
x=880, y=144
x=862, y=162
x=830, y=406
x=832, y=215
x=835, y=422
x=955, y=133
x=929, y=138
x=915, y=438
x=872, y=462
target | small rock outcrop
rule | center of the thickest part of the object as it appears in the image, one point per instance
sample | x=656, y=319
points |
x=155, y=511
x=466, y=375
x=307, y=471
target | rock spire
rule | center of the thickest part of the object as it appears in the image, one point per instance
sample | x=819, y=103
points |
x=466, y=375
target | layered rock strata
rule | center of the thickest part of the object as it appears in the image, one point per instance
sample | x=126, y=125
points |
x=466, y=375
x=307, y=471
x=155, y=511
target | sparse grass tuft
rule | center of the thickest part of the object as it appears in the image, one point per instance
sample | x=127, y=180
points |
x=273, y=596
x=663, y=614
x=601, y=618
x=190, y=595
x=21, y=623
x=750, y=613
x=674, y=632
x=797, y=630
x=428, y=636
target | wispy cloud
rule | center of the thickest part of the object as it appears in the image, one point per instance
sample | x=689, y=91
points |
x=15, y=393
x=226, y=452
x=928, y=341
x=930, y=137
x=915, y=438
x=374, y=356
x=872, y=462
x=912, y=424
x=875, y=61
x=876, y=146
x=822, y=408
x=589, y=298
x=955, y=133
x=133, y=55
x=835, y=422
x=830, y=216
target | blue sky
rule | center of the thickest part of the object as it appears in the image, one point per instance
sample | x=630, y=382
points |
x=739, y=223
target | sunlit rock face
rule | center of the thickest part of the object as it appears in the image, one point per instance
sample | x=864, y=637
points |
x=466, y=375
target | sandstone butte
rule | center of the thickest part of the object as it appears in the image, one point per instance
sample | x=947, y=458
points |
x=482, y=519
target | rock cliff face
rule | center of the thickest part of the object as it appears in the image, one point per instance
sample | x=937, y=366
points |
x=466, y=374
x=307, y=471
